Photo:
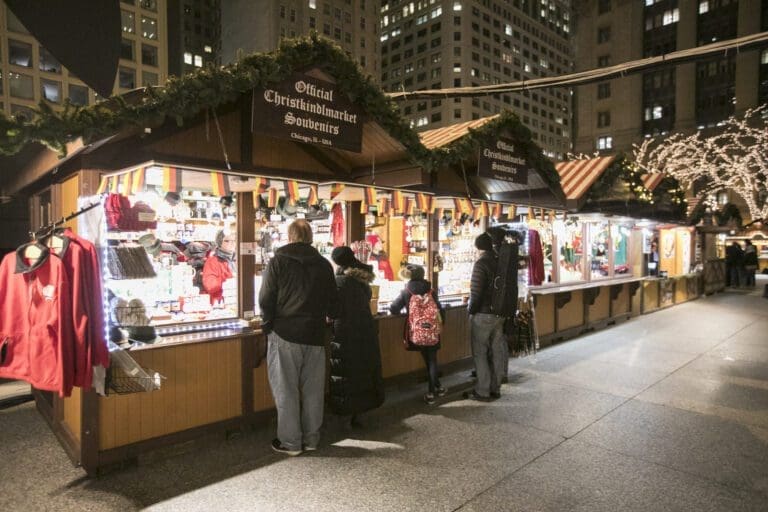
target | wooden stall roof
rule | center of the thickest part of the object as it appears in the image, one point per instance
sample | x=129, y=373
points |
x=536, y=192
x=651, y=181
x=577, y=176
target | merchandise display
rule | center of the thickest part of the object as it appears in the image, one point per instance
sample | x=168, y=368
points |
x=458, y=254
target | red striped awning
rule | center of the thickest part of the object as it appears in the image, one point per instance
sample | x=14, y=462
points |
x=577, y=176
x=651, y=181
x=442, y=136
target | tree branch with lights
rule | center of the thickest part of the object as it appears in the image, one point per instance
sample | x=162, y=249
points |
x=734, y=158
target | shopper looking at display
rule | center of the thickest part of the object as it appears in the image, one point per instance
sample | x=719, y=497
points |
x=356, y=383
x=417, y=285
x=220, y=266
x=298, y=292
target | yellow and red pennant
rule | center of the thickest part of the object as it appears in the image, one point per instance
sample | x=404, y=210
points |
x=370, y=196
x=171, y=179
x=410, y=206
x=551, y=216
x=531, y=214
x=422, y=202
x=336, y=189
x=272, y=198
x=291, y=191
x=103, y=185
x=511, y=212
x=312, y=198
x=496, y=214
x=439, y=212
x=220, y=184
x=260, y=185
x=384, y=206
x=398, y=204
x=126, y=179
x=483, y=209
x=137, y=184
x=114, y=185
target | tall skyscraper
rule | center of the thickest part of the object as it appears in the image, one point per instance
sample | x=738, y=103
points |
x=30, y=74
x=249, y=26
x=194, y=35
x=614, y=114
x=434, y=44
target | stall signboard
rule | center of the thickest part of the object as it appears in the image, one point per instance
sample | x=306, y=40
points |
x=309, y=110
x=502, y=161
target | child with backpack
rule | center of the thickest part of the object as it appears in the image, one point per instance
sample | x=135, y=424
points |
x=423, y=323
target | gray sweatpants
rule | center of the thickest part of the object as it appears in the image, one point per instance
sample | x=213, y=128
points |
x=297, y=378
x=488, y=342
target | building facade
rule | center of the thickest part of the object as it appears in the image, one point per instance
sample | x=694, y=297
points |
x=29, y=73
x=440, y=44
x=194, y=35
x=612, y=115
x=250, y=26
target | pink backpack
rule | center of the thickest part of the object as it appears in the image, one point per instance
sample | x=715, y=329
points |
x=424, y=323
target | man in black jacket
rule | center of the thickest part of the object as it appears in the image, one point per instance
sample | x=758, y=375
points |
x=486, y=328
x=298, y=292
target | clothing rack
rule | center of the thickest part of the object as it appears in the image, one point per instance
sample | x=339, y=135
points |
x=50, y=227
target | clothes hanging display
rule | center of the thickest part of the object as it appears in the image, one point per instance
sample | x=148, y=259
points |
x=337, y=225
x=536, y=259
x=51, y=322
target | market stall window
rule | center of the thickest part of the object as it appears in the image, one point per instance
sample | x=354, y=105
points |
x=621, y=241
x=457, y=253
x=171, y=252
x=570, y=249
x=599, y=249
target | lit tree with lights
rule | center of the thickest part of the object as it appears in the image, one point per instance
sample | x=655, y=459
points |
x=735, y=158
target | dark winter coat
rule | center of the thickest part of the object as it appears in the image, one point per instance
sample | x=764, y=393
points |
x=481, y=283
x=297, y=293
x=356, y=382
x=415, y=287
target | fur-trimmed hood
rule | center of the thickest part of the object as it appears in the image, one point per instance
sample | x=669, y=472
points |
x=362, y=275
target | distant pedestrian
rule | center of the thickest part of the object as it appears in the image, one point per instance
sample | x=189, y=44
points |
x=734, y=263
x=298, y=293
x=418, y=286
x=356, y=382
x=750, y=263
x=486, y=328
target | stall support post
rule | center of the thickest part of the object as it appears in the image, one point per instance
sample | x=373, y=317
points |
x=246, y=235
x=355, y=222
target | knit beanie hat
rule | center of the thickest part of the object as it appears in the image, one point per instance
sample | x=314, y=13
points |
x=484, y=242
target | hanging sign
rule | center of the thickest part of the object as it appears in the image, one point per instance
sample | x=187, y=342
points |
x=502, y=162
x=309, y=110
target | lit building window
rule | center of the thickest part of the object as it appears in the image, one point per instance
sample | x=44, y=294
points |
x=313, y=4
x=764, y=57
x=50, y=90
x=456, y=6
x=703, y=6
x=128, y=22
x=671, y=16
x=207, y=49
x=148, y=27
x=604, y=143
x=187, y=58
x=198, y=61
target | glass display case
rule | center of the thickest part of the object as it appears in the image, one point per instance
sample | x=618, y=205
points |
x=569, y=234
x=458, y=254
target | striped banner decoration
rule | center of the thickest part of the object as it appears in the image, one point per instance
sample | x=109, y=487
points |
x=256, y=200
x=496, y=211
x=531, y=214
x=138, y=180
x=422, y=202
x=484, y=209
x=336, y=189
x=102, y=185
x=171, y=179
x=113, y=185
x=127, y=183
x=219, y=184
x=261, y=185
x=458, y=207
x=291, y=191
x=511, y=212
x=363, y=207
x=468, y=206
x=432, y=205
x=384, y=206
x=551, y=216
x=439, y=212
x=370, y=196
x=410, y=206
x=272, y=199
x=312, y=198
x=398, y=204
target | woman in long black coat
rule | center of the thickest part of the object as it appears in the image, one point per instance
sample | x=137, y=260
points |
x=356, y=382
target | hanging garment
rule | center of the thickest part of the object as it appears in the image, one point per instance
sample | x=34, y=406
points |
x=337, y=225
x=536, y=259
x=36, y=330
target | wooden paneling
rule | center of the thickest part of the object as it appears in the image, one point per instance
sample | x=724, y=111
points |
x=572, y=314
x=545, y=314
x=282, y=154
x=600, y=309
x=681, y=290
x=197, y=142
x=203, y=385
x=262, y=394
x=70, y=191
x=72, y=417
x=650, y=295
x=621, y=304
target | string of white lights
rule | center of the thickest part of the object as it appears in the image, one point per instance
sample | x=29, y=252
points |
x=739, y=44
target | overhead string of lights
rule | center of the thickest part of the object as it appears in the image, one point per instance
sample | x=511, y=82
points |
x=739, y=44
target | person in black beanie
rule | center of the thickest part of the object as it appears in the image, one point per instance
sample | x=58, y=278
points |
x=356, y=385
x=486, y=329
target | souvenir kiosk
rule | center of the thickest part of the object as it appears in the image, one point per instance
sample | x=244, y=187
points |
x=186, y=167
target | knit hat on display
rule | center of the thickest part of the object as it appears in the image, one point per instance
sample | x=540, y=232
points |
x=484, y=242
x=150, y=243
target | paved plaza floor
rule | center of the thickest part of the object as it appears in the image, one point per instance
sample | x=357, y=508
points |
x=667, y=411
